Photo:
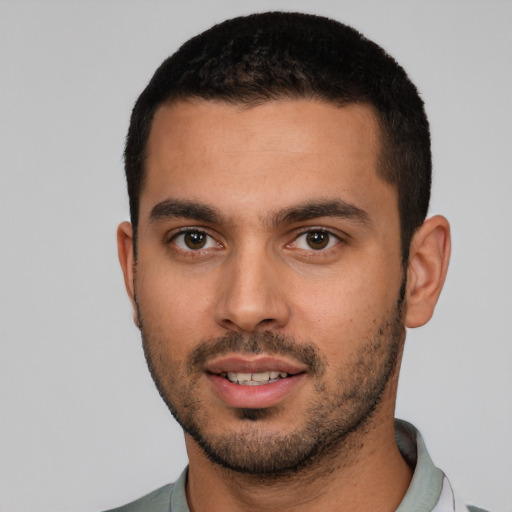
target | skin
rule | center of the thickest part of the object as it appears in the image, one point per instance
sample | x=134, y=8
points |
x=257, y=273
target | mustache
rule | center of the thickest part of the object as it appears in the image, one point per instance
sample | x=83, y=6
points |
x=267, y=342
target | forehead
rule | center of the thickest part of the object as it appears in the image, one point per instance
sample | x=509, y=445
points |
x=278, y=152
x=290, y=125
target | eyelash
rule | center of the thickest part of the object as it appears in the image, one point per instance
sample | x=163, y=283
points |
x=191, y=231
x=333, y=240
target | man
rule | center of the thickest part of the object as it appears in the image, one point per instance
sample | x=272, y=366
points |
x=279, y=169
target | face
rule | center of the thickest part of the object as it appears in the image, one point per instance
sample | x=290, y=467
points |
x=268, y=277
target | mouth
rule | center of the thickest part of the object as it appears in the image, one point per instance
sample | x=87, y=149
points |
x=254, y=379
x=253, y=371
x=245, y=381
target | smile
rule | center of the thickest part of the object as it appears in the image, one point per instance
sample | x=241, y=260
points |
x=254, y=379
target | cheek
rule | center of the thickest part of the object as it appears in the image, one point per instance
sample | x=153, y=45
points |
x=172, y=306
x=347, y=308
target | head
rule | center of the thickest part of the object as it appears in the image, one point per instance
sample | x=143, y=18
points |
x=278, y=168
x=254, y=59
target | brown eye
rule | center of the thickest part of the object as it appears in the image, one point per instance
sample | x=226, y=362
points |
x=317, y=239
x=195, y=240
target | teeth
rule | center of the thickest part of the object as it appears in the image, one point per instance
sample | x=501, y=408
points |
x=260, y=376
x=240, y=377
x=254, y=379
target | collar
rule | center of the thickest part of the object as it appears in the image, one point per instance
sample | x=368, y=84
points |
x=427, y=481
x=429, y=490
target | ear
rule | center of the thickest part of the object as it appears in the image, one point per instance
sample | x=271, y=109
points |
x=127, y=260
x=428, y=263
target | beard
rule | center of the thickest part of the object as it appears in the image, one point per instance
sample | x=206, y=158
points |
x=343, y=406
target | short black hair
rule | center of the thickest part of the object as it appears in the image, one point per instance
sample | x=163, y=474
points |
x=263, y=57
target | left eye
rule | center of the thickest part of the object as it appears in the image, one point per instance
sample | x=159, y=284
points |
x=194, y=241
x=316, y=240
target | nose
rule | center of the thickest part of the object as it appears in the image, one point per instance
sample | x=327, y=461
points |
x=251, y=294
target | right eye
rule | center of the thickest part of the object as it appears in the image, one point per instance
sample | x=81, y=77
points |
x=194, y=240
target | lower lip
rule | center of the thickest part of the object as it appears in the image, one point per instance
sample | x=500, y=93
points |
x=254, y=397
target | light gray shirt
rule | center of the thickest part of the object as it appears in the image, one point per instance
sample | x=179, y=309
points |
x=429, y=490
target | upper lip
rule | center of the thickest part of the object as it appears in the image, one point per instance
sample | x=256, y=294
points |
x=239, y=363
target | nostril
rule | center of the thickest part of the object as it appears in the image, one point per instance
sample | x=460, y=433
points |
x=266, y=321
x=246, y=310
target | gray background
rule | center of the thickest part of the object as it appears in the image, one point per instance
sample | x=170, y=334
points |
x=81, y=427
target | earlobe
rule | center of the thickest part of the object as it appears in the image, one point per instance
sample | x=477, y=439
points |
x=125, y=253
x=428, y=264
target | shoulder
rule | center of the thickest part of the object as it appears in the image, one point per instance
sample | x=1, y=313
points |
x=156, y=501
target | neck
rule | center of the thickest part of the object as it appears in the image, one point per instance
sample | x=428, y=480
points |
x=365, y=472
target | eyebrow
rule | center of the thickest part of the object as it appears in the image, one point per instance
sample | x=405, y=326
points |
x=183, y=209
x=321, y=208
x=180, y=209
